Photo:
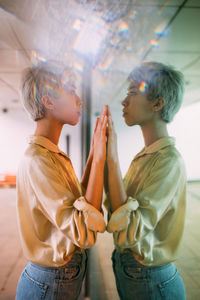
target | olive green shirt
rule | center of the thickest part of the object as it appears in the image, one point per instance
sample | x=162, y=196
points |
x=150, y=224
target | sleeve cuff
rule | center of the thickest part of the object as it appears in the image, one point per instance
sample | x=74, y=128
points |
x=93, y=218
x=120, y=218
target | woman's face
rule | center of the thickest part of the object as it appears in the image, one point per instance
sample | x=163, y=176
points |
x=137, y=109
x=68, y=105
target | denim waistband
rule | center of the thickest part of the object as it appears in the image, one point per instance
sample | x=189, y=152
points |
x=77, y=258
x=128, y=257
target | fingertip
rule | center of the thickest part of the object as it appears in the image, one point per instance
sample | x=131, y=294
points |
x=105, y=118
x=105, y=109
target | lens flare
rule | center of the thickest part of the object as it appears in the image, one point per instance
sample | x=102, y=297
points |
x=132, y=14
x=49, y=87
x=37, y=58
x=69, y=78
x=143, y=87
x=154, y=43
x=35, y=92
x=77, y=24
x=123, y=28
x=160, y=29
x=105, y=66
x=78, y=67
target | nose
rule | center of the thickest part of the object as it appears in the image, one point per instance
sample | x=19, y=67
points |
x=124, y=102
x=79, y=101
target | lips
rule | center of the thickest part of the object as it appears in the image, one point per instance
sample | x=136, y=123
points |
x=124, y=113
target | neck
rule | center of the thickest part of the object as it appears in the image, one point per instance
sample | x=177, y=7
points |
x=154, y=131
x=49, y=128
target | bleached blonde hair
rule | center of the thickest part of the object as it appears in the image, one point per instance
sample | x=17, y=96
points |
x=38, y=81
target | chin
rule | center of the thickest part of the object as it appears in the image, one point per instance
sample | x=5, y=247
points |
x=74, y=122
x=128, y=123
x=70, y=122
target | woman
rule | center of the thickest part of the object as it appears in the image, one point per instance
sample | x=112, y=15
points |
x=58, y=216
x=147, y=208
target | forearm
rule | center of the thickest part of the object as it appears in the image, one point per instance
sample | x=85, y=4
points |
x=86, y=174
x=117, y=193
x=95, y=184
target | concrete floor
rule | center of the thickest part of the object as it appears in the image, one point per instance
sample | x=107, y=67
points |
x=102, y=285
x=12, y=260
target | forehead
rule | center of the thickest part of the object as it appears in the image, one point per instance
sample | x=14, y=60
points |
x=142, y=87
x=133, y=85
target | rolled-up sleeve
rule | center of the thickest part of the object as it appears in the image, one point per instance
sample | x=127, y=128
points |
x=120, y=219
x=156, y=213
x=73, y=216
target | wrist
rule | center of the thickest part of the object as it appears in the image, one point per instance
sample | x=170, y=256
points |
x=98, y=162
x=90, y=156
x=112, y=161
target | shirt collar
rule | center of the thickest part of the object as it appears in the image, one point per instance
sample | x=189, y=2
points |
x=157, y=145
x=44, y=142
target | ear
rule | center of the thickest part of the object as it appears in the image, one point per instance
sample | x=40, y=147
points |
x=48, y=102
x=157, y=104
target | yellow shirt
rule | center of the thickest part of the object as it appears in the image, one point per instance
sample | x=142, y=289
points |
x=54, y=218
x=150, y=224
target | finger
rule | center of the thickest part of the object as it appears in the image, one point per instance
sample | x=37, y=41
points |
x=99, y=125
x=110, y=123
x=96, y=124
x=104, y=125
x=95, y=129
x=101, y=119
x=105, y=109
x=109, y=112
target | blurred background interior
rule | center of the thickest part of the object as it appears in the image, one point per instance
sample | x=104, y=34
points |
x=103, y=40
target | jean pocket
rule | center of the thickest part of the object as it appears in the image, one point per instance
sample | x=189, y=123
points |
x=72, y=272
x=173, y=288
x=31, y=288
x=69, y=287
x=134, y=273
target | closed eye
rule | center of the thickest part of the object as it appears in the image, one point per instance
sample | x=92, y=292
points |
x=131, y=93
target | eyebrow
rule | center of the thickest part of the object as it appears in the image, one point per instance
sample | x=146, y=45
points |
x=132, y=88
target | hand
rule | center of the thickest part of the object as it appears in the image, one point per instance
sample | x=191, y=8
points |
x=104, y=113
x=98, y=147
x=112, y=154
x=92, y=141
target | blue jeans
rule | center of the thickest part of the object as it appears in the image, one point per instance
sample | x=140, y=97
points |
x=139, y=282
x=40, y=282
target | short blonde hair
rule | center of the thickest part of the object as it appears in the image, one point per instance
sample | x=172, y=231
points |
x=38, y=81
